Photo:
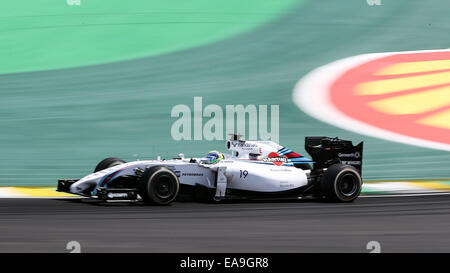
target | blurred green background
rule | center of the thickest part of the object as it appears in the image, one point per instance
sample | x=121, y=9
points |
x=81, y=83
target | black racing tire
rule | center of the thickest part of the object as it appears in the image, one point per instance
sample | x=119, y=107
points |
x=341, y=183
x=159, y=185
x=108, y=162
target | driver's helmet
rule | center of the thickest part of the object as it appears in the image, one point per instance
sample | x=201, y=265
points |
x=214, y=157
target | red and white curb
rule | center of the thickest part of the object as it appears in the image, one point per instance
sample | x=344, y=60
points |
x=406, y=187
x=312, y=94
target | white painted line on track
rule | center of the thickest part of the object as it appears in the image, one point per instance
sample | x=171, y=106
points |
x=361, y=196
x=404, y=194
x=42, y=197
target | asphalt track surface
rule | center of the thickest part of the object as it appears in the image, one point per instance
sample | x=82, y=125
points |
x=60, y=123
x=399, y=224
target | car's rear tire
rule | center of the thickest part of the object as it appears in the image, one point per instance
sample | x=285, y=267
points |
x=108, y=163
x=159, y=185
x=341, y=183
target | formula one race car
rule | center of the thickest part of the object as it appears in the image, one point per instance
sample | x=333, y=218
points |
x=253, y=170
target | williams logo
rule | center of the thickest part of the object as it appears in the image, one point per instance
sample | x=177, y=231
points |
x=276, y=159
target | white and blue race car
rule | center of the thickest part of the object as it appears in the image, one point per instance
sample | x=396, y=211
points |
x=252, y=170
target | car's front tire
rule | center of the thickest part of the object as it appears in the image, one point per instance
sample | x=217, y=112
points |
x=159, y=185
x=108, y=163
x=341, y=183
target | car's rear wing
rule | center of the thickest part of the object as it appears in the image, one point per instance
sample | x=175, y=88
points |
x=326, y=151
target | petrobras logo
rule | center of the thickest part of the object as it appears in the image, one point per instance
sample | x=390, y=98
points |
x=117, y=195
x=192, y=174
x=398, y=96
x=275, y=159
